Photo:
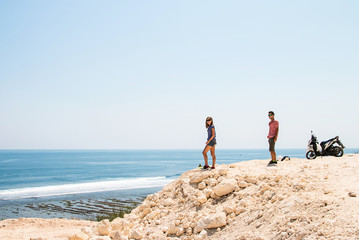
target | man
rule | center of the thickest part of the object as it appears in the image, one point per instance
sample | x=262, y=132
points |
x=272, y=136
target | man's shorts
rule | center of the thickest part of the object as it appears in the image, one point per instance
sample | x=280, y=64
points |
x=212, y=143
x=271, y=144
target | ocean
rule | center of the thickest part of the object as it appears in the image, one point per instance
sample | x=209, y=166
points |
x=84, y=184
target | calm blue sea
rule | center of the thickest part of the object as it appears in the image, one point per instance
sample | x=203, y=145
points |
x=28, y=176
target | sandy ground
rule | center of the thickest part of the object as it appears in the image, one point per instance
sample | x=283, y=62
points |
x=49, y=229
x=315, y=199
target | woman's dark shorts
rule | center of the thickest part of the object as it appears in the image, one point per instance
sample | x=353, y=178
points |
x=271, y=144
x=212, y=143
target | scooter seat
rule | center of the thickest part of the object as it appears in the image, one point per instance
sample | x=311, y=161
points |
x=325, y=142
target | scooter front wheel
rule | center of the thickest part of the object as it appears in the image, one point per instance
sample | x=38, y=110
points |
x=311, y=155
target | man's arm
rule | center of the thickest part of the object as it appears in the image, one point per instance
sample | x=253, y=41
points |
x=276, y=133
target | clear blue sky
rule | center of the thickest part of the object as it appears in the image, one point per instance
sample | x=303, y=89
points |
x=146, y=74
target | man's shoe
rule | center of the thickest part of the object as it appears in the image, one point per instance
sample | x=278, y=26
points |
x=272, y=163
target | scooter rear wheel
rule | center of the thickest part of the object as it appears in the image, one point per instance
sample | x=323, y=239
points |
x=311, y=155
x=338, y=152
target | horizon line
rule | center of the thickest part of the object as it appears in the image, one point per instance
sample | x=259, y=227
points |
x=96, y=149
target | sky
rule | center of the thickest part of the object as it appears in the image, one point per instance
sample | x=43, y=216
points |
x=146, y=74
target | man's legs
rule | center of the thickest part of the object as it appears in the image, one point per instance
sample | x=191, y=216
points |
x=271, y=149
x=273, y=155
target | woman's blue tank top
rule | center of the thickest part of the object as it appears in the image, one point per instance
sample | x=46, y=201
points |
x=209, y=130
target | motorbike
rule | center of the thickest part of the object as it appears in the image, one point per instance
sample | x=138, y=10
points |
x=331, y=147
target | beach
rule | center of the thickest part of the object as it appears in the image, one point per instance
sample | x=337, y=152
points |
x=298, y=199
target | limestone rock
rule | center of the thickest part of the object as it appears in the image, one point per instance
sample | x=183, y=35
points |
x=181, y=216
x=180, y=231
x=250, y=180
x=239, y=210
x=185, y=223
x=188, y=190
x=202, y=185
x=172, y=229
x=168, y=202
x=265, y=188
x=214, y=195
x=153, y=214
x=79, y=236
x=215, y=220
x=203, y=234
x=118, y=236
x=202, y=198
x=145, y=209
x=212, y=182
x=104, y=228
x=278, y=178
x=223, y=171
x=229, y=208
x=101, y=238
x=242, y=184
x=120, y=224
x=88, y=231
x=135, y=234
x=225, y=187
x=199, y=177
x=208, y=192
x=155, y=234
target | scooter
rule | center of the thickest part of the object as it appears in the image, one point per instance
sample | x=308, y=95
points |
x=331, y=147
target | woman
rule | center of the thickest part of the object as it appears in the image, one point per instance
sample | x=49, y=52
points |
x=210, y=144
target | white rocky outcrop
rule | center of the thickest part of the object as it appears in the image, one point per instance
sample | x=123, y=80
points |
x=295, y=200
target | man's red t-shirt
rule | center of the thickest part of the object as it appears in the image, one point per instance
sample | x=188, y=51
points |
x=273, y=127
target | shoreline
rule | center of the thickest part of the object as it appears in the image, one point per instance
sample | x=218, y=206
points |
x=298, y=199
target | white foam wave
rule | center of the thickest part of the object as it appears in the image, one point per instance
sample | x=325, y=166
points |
x=90, y=187
x=9, y=160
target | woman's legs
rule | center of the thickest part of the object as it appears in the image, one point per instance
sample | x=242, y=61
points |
x=213, y=154
x=205, y=151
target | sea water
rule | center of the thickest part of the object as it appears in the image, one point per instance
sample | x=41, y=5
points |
x=66, y=178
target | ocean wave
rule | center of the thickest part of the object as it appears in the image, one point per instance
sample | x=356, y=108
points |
x=109, y=163
x=78, y=188
x=8, y=160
